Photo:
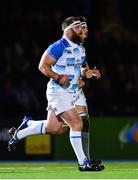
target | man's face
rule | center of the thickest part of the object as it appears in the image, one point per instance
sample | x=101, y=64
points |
x=84, y=33
x=76, y=34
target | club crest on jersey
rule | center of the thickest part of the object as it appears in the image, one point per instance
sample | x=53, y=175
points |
x=69, y=51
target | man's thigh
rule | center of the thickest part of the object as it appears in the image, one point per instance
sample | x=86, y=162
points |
x=72, y=118
x=81, y=109
x=53, y=123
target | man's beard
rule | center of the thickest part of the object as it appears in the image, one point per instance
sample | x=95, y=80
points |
x=76, y=38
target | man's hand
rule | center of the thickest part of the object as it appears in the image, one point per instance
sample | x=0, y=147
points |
x=96, y=73
x=89, y=74
x=63, y=80
x=93, y=72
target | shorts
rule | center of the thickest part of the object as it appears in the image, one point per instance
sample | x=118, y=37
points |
x=81, y=99
x=60, y=101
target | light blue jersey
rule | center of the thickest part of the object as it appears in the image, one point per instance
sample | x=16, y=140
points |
x=69, y=59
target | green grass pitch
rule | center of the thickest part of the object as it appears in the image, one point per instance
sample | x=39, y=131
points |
x=66, y=170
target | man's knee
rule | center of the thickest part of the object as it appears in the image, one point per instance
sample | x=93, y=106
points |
x=77, y=126
x=84, y=116
x=54, y=128
x=62, y=130
x=57, y=129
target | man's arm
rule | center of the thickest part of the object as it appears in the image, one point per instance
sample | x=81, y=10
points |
x=45, y=67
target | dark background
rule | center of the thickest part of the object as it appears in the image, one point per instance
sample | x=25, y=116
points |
x=28, y=27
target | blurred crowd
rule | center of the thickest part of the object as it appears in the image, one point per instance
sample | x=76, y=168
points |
x=27, y=30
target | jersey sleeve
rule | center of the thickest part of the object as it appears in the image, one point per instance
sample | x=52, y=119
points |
x=55, y=50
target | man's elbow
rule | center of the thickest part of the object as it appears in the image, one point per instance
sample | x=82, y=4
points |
x=39, y=67
x=43, y=69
